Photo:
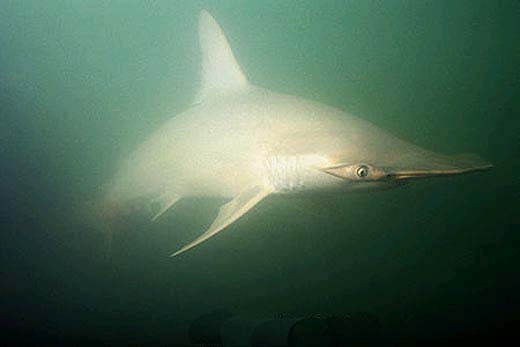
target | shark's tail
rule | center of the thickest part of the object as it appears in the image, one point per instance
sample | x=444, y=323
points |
x=110, y=218
x=100, y=220
x=106, y=227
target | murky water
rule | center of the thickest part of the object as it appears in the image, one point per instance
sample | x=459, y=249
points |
x=82, y=83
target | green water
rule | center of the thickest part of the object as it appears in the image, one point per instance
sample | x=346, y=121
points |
x=83, y=82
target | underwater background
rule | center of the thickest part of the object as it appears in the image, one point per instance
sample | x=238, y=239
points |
x=84, y=82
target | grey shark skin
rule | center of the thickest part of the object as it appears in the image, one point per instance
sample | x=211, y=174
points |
x=244, y=143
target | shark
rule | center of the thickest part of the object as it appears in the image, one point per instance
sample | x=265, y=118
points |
x=244, y=143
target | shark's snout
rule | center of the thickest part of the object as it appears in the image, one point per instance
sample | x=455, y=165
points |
x=418, y=174
x=419, y=166
x=435, y=165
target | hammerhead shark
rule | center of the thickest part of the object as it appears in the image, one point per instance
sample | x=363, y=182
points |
x=244, y=143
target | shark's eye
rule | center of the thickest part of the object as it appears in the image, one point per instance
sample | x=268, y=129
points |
x=362, y=171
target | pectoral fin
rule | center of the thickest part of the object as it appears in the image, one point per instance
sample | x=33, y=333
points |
x=229, y=213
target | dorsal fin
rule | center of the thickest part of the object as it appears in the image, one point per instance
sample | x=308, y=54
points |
x=220, y=70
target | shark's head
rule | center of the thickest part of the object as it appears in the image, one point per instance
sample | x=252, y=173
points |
x=370, y=158
x=380, y=175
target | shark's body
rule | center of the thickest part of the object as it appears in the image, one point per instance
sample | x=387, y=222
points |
x=243, y=142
